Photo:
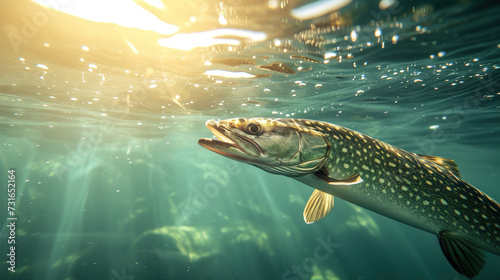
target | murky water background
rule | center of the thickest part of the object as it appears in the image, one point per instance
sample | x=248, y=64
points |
x=102, y=104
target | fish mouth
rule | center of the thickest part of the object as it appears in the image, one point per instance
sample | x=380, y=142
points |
x=230, y=144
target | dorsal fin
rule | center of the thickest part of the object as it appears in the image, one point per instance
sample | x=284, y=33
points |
x=318, y=206
x=445, y=163
x=465, y=256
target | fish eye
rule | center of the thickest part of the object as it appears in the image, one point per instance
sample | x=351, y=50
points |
x=253, y=128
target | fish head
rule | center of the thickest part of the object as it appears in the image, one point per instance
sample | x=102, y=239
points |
x=279, y=146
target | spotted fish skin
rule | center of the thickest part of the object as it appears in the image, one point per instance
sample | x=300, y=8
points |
x=422, y=191
x=408, y=188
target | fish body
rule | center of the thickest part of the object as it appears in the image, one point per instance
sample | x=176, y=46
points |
x=422, y=191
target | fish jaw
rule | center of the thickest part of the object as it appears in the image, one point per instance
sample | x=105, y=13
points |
x=230, y=144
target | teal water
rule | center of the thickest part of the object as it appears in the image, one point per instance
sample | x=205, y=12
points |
x=100, y=123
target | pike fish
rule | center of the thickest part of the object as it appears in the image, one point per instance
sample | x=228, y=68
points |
x=422, y=191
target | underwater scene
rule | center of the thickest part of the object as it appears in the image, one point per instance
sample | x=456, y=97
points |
x=104, y=176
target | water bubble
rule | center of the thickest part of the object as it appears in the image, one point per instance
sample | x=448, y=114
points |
x=354, y=36
x=330, y=54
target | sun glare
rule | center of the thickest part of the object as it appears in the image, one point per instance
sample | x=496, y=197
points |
x=125, y=13
x=228, y=74
x=318, y=8
x=225, y=36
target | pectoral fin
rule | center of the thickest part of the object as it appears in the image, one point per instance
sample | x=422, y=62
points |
x=351, y=180
x=318, y=206
x=465, y=257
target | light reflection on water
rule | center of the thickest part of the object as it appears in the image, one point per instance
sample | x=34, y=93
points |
x=101, y=118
